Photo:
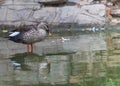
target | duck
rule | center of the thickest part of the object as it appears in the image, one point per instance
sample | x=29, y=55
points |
x=64, y=39
x=29, y=34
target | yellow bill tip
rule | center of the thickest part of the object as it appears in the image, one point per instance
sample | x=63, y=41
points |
x=50, y=34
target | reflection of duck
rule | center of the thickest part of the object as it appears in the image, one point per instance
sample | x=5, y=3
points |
x=15, y=64
x=29, y=34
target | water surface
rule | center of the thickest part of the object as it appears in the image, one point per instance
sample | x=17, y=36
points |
x=68, y=58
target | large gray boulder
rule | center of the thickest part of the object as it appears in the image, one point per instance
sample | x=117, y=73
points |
x=51, y=1
x=20, y=12
x=88, y=14
x=115, y=12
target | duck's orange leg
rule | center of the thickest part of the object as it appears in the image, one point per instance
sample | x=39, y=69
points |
x=28, y=48
x=31, y=48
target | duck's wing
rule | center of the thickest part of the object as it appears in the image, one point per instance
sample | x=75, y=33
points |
x=19, y=31
x=24, y=28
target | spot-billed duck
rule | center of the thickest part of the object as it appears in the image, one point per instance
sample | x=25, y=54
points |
x=29, y=34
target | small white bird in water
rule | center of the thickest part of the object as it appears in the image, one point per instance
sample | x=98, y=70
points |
x=64, y=39
x=94, y=29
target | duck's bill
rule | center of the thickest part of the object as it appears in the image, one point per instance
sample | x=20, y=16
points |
x=50, y=34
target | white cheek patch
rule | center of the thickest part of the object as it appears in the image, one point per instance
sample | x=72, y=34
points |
x=14, y=34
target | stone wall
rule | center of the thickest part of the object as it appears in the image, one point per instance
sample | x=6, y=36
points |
x=16, y=12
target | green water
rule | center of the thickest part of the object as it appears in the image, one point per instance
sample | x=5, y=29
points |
x=88, y=59
x=111, y=77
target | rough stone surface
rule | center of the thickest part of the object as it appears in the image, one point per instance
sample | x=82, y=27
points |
x=20, y=12
x=115, y=12
x=51, y=1
x=89, y=14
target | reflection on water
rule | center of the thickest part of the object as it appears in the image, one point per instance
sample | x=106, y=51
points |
x=84, y=59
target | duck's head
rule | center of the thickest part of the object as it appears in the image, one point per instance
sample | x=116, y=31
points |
x=44, y=26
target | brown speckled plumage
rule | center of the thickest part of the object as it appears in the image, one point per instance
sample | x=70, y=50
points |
x=30, y=33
